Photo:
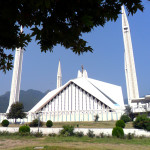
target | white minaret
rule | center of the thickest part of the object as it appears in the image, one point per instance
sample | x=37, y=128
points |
x=16, y=78
x=59, y=76
x=130, y=72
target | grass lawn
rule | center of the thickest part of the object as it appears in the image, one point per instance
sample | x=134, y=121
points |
x=99, y=124
x=72, y=143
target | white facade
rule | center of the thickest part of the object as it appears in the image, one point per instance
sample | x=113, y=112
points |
x=130, y=72
x=80, y=100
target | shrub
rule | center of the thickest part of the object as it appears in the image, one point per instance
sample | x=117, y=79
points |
x=52, y=134
x=67, y=130
x=5, y=133
x=97, y=136
x=125, y=118
x=34, y=123
x=24, y=129
x=79, y=134
x=90, y=134
x=142, y=122
x=37, y=134
x=96, y=118
x=102, y=135
x=148, y=125
x=130, y=136
x=49, y=123
x=5, y=123
x=118, y=132
x=120, y=123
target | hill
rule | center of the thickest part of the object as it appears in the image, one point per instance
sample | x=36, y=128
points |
x=29, y=98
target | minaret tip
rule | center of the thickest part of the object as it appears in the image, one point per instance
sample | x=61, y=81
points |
x=59, y=75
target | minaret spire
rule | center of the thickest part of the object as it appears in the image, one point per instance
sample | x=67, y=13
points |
x=130, y=71
x=59, y=76
x=16, y=78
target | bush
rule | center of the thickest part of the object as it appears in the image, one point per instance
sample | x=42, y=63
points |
x=90, y=134
x=67, y=130
x=102, y=135
x=130, y=136
x=142, y=122
x=96, y=118
x=37, y=134
x=125, y=118
x=49, y=123
x=148, y=126
x=24, y=129
x=34, y=123
x=79, y=134
x=120, y=123
x=118, y=132
x=5, y=133
x=52, y=134
x=24, y=134
x=5, y=123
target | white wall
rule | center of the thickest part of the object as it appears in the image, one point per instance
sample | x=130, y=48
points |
x=67, y=116
x=97, y=131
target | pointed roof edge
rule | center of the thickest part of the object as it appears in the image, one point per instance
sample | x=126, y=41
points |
x=57, y=91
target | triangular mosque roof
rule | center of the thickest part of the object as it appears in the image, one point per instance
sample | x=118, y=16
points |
x=109, y=94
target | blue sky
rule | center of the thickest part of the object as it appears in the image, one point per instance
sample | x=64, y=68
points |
x=106, y=63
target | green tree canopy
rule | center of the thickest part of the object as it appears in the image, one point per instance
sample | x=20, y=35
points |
x=55, y=22
x=16, y=111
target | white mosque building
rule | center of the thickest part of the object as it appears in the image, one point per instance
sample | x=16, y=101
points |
x=81, y=99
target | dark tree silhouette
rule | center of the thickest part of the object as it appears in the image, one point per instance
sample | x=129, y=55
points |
x=16, y=111
x=55, y=22
x=129, y=112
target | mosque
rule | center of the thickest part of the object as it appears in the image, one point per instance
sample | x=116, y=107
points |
x=81, y=99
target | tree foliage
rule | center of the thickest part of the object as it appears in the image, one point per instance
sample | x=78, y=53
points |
x=55, y=22
x=142, y=122
x=129, y=113
x=24, y=129
x=16, y=111
x=5, y=123
x=118, y=132
x=49, y=123
x=125, y=118
x=68, y=130
x=120, y=123
x=35, y=122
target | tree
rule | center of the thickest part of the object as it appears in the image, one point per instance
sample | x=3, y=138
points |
x=129, y=112
x=96, y=117
x=16, y=111
x=55, y=22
